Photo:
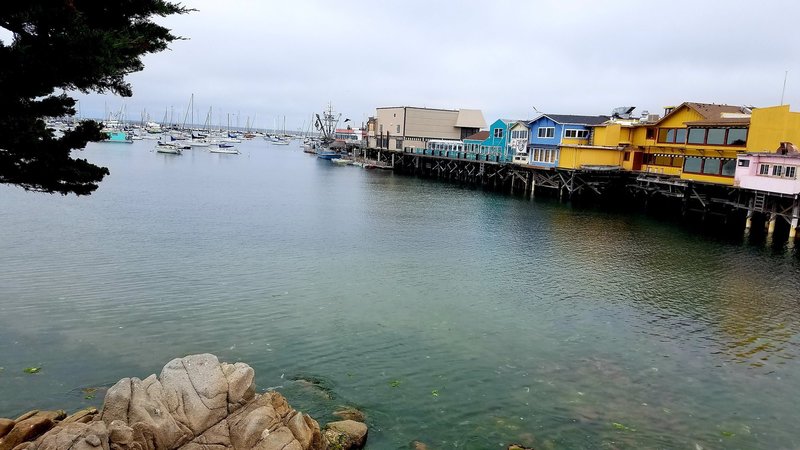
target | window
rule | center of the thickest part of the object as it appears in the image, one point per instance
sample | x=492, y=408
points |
x=729, y=167
x=672, y=135
x=712, y=166
x=744, y=163
x=777, y=171
x=650, y=133
x=737, y=136
x=498, y=133
x=547, y=132
x=626, y=156
x=576, y=134
x=790, y=172
x=716, y=136
x=697, y=136
x=520, y=134
x=398, y=129
x=544, y=155
x=692, y=164
x=763, y=169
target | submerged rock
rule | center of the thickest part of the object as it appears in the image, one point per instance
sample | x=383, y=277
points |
x=196, y=403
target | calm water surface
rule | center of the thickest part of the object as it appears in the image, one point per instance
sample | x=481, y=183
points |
x=456, y=317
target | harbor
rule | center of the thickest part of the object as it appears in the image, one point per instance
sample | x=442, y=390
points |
x=695, y=160
x=570, y=318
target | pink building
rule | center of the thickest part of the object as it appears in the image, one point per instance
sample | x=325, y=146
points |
x=775, y=173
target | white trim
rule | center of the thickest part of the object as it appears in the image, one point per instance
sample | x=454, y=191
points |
x=539, y=133
x=576, y=130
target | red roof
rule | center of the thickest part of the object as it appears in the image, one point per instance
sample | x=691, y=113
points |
x=479, y=136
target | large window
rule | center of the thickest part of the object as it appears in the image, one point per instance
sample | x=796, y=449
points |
x=547, y=132
x=519, y=134
x=791, y=172
x=718, y=136
x=715, y=136
x=576, y=134
x=777, y=171
x=763, y=169
x=710, y=166
x=672, y=135
x=498, y=133
x=544, y=155
x=692, y=164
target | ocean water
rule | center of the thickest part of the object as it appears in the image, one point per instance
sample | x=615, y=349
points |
x=451, y=316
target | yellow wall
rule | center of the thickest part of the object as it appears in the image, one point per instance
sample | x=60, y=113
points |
x=679, y=117
x=707, y=178
x=573, y=157
x=665, y=170
x=771, y=126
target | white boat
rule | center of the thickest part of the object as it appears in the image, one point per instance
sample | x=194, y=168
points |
x=226, y=149
x=342, y=161
x=198, y=143
x=171, y=149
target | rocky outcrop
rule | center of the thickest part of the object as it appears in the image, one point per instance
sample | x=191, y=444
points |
x=196, y=403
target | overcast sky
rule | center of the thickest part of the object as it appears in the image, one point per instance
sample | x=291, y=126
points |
x=270, y=59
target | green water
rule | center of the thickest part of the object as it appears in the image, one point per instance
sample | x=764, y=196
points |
x=456, y=317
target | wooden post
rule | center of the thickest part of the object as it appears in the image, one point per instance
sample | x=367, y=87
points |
x=771, y=225
x=392, y=160
x=795, y=219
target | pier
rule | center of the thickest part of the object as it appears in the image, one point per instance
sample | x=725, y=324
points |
x=601, y=183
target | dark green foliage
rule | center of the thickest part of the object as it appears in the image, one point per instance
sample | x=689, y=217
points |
x=67, y=45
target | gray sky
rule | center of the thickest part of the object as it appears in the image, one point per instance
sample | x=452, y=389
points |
x=269, y=59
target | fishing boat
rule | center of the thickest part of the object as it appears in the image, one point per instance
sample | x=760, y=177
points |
x=327, y=154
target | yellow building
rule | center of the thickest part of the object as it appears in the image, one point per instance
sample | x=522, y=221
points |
x=771, y=126
x=697, y=141
x=609, y=144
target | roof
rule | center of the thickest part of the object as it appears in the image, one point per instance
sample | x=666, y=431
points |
x=714, y=114
x=479, y=136
x=470, y=118
x=574, y=120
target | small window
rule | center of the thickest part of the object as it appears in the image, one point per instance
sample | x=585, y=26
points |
x=626, y=156
x=650, y=134
x=744, y=163
x=398, y=129
x=777, y=171
x=547, y=132
x=680, y=136
x=498, y=133
x=790, y=172
x=763, y=169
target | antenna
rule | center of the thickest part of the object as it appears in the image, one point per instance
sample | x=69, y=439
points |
x=785, y=75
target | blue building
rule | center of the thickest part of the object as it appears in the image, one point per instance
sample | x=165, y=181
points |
x=492, y=145
x=549, y=131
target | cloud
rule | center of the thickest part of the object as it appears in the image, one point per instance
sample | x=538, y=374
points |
x=273, y=59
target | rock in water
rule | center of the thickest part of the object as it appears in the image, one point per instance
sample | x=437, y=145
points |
x=346, y=435
x=197, y=403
